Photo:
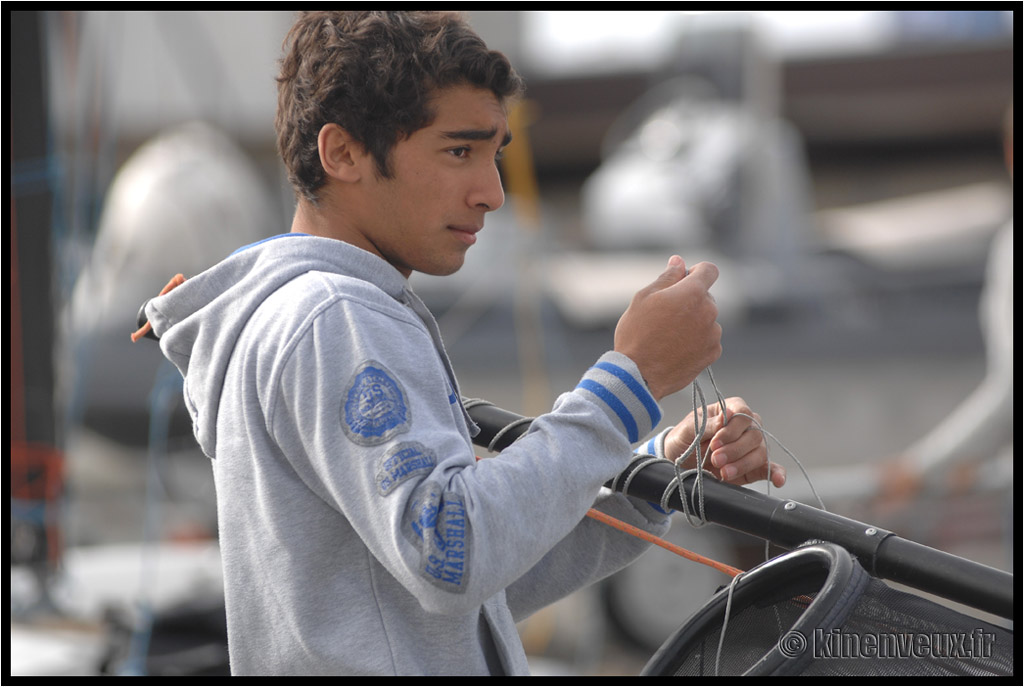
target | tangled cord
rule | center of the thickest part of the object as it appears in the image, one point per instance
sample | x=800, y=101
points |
x=696, y=516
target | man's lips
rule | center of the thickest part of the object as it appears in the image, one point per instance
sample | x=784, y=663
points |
x=466, y=232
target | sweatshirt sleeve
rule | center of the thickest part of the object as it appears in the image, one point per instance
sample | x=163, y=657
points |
x=364, y=409
x=591, y=552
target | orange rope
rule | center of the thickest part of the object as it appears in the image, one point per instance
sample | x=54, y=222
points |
x=647, y=536
x=678, y=550
x=174, y=283
x=595, y=514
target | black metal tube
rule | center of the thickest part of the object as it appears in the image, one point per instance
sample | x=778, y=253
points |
x=789, y=524
x=918, y=566
x=492, y=420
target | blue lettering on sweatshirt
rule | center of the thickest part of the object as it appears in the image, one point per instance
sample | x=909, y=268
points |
x=446, y=560
x=403, y=462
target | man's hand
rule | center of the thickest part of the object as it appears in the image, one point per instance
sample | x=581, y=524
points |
x=670, y=329
x=734, y=445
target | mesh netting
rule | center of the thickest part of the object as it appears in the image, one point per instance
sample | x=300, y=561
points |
x=816, y=612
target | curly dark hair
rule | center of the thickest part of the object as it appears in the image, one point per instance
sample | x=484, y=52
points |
x=373, y=74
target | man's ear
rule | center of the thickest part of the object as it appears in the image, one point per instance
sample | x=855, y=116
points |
x=341, y=156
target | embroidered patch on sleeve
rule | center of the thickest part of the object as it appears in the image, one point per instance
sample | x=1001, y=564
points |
x=375, y=408
x=437, y=523
x=403, y=462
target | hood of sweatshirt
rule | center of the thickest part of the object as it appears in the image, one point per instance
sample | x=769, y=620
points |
x=199, y=322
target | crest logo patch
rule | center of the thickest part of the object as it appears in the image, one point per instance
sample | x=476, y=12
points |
x=375, y=406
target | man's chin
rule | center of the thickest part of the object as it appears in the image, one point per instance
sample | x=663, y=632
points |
x=444, y=270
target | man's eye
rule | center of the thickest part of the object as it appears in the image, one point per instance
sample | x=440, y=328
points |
x=460, y=152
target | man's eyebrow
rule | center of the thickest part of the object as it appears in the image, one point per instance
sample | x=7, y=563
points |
x=477, y=135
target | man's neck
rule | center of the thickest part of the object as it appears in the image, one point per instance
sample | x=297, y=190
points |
x=309, y=219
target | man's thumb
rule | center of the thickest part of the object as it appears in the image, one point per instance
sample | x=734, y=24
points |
x=675, y=271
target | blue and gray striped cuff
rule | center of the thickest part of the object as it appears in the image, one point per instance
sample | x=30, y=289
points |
x=655, y=446
x=615, y=382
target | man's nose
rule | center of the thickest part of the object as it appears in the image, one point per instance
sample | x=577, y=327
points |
x=488, y=192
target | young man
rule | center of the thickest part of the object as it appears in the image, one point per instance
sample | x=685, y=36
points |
x=359, y=534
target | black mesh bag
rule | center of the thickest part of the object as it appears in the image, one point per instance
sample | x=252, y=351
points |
x=817, y=612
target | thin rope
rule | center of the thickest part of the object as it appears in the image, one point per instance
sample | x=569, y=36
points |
x=635, y=531
x=700, y=407
x=698, y=485
x=725, y=622
x=506, y=429
x=669, y=546
x=609, y=520
x=639, y=466
x=700, y=413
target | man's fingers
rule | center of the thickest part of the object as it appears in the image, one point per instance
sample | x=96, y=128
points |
x=702, y=275
x=674, y=272
x=739, y=418
x=759, y=470
x=778, y=475
x=737, y=447
x=735, y=450
x=741, y=463
x=705, y=273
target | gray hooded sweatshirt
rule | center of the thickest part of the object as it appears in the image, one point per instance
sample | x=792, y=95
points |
x=359, y=533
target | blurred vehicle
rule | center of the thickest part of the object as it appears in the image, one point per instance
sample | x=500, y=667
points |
x=701, y=177
x=182, y=202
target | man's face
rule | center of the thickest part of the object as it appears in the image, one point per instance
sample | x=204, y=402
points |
x=445, y=179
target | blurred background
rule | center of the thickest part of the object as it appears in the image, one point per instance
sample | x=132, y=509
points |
x=849, y=171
